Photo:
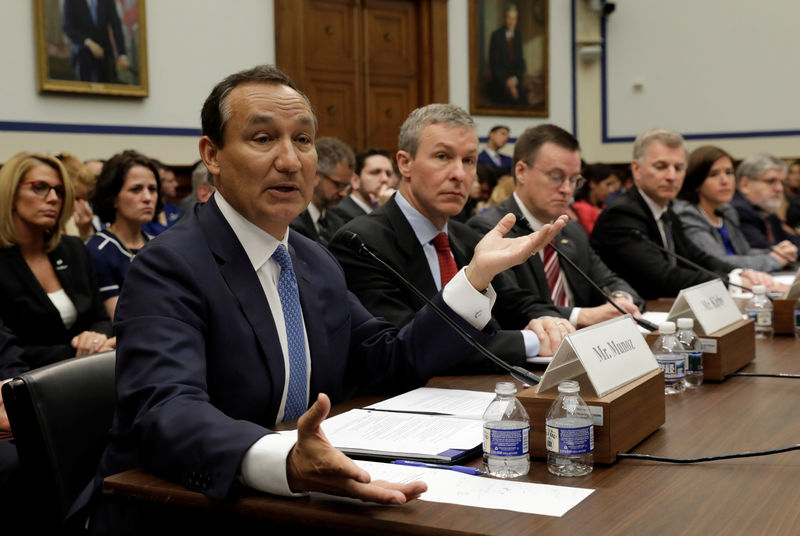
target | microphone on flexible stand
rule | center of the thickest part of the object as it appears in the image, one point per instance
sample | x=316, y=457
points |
x=640, y=235
x=354, y=242
x=646, y=324
x=718, y=212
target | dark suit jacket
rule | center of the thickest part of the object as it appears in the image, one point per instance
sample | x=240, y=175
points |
x=503, y=66
x=78, y=25
x=571, y=241
x=386, y=231
x=200, y=371
x=304, y=225
x=347, y=209
x=28, y=312
x=11, y=356
x=640, y=263
x=505, y=161
x=752, y=224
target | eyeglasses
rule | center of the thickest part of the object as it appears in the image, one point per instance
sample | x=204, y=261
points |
x=340, y=186
x=557, y=178
x=42, y=188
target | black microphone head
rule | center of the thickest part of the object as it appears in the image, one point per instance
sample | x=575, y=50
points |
x=354, y=242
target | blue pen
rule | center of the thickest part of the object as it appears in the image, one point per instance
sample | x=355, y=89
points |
x=460, y=468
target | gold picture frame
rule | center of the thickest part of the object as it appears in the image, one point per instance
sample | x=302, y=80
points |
x=110, y=61
x=506, y=54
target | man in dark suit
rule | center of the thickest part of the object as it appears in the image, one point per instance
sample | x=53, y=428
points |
x=490, y=156
x=90, y=26
x=659, y=167
x=231, y=323
x=759, y=194
x=506, y=62
x=371, y=184
x=437, y=160
x=335, y=163
x=547, y=164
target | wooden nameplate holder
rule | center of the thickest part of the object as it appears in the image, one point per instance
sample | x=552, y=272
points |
x=726, y=350
x=629, y=414
x=784, y=316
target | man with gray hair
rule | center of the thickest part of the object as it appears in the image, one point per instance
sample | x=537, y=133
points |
x=335, y=163
x=759, y=194
x=414, y=233
x=627, y=231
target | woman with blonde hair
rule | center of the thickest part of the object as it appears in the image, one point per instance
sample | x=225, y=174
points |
x=83, y=222
x=49, y=296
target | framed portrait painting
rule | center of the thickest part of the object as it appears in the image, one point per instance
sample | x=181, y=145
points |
x=508, y=57
x=91, y=46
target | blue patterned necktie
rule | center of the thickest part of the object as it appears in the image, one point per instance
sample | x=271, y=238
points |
x=295, y=336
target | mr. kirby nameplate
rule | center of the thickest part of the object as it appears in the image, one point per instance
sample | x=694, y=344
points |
x=710, y=304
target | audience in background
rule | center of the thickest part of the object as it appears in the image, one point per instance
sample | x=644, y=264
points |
x=372, y=184
x=48, y=289
x=335, y=163
x=590, y=199
x=759, y=182
x=95, y=166
x=491, y=156
x=202, y=183
x=83, y=222
x=789, y=212
x=712, y=223
x=127, y=198
x=169, y=213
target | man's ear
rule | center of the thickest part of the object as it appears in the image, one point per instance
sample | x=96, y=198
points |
x=209, y=153
x=404, y=164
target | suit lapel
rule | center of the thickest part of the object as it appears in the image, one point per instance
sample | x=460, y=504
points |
x=411, y=259
x=236, y=269
x=534, y=263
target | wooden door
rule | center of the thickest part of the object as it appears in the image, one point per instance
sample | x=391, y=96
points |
x=365, y=64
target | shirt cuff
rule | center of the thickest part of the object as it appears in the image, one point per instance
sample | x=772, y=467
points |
x=264, y=465
x=532, y=344
x=470, y=304
x=573, y=316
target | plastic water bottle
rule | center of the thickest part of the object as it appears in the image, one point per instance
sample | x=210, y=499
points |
x=759, y=308
x=694, y=353
x=797, y=319
x=506, y=434
x=671, y=357
x=569, y=433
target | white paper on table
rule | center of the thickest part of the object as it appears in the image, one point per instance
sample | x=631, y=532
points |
x=457, y=402
x=384, y=431
x=451, y=487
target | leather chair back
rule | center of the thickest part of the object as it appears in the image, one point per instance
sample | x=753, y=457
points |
x=61, y=416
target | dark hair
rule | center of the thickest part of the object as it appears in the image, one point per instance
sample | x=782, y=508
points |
x=595, y=173
x=529, y=143
x=112, y=178
x=498, y=127
x=361, y=158
x=216, y=111
x=700, y=162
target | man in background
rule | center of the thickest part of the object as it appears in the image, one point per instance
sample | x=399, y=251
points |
x=491, y=156
x=374, y=174
x=91, y=26
x=506, y=62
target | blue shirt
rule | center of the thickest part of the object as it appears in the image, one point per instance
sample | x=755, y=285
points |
x=111, y=261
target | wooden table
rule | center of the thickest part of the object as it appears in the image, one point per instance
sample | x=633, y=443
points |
x=759, y=495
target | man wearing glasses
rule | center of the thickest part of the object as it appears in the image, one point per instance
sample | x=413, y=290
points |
x=332, y=182
x=414, y=232
x=547, y=164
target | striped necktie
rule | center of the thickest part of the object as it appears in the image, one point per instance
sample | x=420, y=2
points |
x=296, y=397
x=555, y=277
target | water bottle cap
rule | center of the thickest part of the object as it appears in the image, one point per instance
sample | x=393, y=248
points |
x=505, y=388
x=759, y=289
x=666, y=327
x=685, y=323
x=569, y=386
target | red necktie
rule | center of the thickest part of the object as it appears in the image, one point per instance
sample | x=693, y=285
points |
x=447, y=264
x=555, y=277
x=511, y=48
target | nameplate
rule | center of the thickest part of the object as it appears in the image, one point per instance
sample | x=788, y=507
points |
x=709, y=304
x=608, y=355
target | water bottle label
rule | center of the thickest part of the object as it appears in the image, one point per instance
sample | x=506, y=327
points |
x=762, y=318
x=694, y=362
x=569, y=440
x=506, y=441
x=673, y=366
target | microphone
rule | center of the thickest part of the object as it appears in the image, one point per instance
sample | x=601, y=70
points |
x=354, y=242
x=641, y=236
x=646, y=324
x=718, y=212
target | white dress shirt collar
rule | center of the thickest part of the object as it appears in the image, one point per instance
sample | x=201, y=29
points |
x=423, y=228
x=258, y=244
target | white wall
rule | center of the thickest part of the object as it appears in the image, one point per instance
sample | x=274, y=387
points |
x=192, y=44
